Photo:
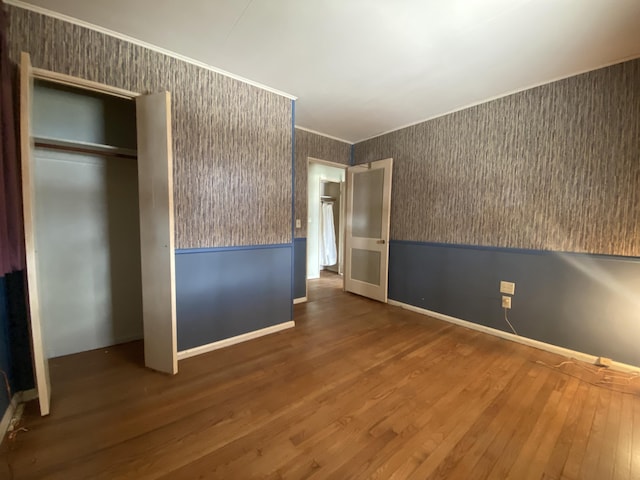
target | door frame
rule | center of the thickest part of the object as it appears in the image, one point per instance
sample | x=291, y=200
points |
x=27, y=74
x=342, y=236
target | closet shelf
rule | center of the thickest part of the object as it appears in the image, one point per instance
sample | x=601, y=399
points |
x=84, y=147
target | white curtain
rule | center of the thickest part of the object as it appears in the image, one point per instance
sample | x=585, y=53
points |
x=328, y=252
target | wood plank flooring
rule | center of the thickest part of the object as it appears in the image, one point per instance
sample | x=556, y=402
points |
x=356, y=390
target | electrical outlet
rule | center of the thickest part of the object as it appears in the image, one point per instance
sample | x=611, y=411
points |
x=298, y=223
x=507, y=287
x=506, y=302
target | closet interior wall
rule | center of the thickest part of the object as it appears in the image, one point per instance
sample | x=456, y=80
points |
x=86, y=218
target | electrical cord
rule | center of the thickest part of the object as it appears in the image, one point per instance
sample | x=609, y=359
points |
x=588, y=367
x=507, y=320
x=605, y=382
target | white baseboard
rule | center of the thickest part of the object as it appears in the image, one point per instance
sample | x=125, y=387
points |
x=12, y=410
x=299, y=300
x=585, y=357
x=125, y=339
x=227, y=342
x=8, y=415
x=28, y=395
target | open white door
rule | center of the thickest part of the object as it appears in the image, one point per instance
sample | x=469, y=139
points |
x=155, y=185
x=367, y=236
x=40, y=360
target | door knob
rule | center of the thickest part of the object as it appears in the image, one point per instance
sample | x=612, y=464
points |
x=380, y=242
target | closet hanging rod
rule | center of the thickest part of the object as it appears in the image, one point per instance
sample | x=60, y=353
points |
x=84, y=147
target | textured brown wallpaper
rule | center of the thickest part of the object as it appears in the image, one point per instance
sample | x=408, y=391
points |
x=232, y=141
x=556, y=167
x=322, y=148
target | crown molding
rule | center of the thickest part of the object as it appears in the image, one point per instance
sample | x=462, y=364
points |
x=140, y=43
x=324, y=135
x=502, y=95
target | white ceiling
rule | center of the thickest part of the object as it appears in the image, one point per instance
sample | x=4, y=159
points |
x=363, y=67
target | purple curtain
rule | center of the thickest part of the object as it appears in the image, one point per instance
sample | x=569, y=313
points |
x=11, y=233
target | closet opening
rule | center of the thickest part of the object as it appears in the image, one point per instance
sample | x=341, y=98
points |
x=97, y=195
x=326, y=226
x=87, y=221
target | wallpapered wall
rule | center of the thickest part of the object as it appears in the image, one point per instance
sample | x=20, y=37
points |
x=232, y=141
x=322, y=148
x=556, y=167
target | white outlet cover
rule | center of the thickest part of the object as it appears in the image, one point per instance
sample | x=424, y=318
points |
x=507, y=287
x=506, y=302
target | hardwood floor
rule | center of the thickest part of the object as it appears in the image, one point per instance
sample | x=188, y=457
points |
x=357, y=390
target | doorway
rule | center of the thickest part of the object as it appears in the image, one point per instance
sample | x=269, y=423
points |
x=326, y=221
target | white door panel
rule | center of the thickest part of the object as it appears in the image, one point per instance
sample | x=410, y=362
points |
x=40, y=360
x=367, y=236
x=155, y=187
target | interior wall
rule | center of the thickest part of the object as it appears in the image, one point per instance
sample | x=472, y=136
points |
x=317, y=172
x=232, y=154
x=587, y=303
x=82, y=116
x=502, y=190
x=88, y=245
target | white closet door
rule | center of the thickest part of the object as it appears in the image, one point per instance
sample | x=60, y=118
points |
x=40, y=361
x=155, y=189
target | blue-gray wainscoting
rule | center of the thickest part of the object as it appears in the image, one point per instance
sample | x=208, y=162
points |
x=299, y=268
x=225, y=292
x=588, y=303
x=5, y=348
x=15, y=338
